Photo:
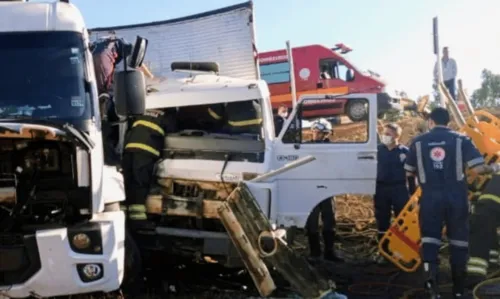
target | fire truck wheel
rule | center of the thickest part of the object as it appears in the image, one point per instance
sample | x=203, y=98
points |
x=356, y=110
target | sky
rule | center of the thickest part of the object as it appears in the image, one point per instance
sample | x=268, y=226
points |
x=390, y=37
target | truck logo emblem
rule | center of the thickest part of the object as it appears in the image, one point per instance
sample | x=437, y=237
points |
x=287, y=158
x=229, y=177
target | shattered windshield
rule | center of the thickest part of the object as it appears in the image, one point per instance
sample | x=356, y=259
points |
x=43, y=76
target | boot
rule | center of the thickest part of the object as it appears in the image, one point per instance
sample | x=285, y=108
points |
x=314, y=245
x=329, y=240
x=431, y=280
x=458, y=276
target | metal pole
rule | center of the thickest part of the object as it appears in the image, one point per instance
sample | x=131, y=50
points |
x=285, y=168
x=438, y=58
x=292, y=74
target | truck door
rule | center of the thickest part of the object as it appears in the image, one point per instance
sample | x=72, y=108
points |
x=346, y=164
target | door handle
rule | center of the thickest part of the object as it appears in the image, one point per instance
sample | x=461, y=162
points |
x=321, y=187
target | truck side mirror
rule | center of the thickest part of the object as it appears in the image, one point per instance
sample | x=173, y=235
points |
x=138, y=53
x=130, y=92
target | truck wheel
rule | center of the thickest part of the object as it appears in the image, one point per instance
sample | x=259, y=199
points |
x=357, y=110
x=133, y=262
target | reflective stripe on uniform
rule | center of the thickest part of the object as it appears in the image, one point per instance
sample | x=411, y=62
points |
x=137, y=208
x=144, y=147
x=458, y=243
x=244, y=123
x=493, y=253
x=137, y=212
x=150, y=125
x=477, y=270
x=138, y=216
x=213, y=114
x=475, y=162
x=477, y=266
x=409, y=168
x=459, y=164
x=420, y=163
x=477, y=261
x=430, y=240
x=495, y=198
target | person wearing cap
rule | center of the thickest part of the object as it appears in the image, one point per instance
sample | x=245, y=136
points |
x=321, y=132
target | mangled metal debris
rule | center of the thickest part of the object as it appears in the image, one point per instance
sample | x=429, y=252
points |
x=259, y=245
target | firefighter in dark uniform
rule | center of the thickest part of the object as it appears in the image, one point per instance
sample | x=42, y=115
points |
x=321, y=132
x=243, y=117
x=144, y=144
x=392, y=192
x=206, y=117
x=483, y=231
x=438, y=158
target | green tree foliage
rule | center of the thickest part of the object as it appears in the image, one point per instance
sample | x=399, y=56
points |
x=489, y=92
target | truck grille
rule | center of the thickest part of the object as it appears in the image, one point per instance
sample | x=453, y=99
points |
x=11, y=239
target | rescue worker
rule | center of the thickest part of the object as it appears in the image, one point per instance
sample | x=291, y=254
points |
x=321, y=133
x=206, y=117
x=144, y=144
x=107, y=53
x=483, y=231
x=438, y=158
x=243, y=117
x=280, y=118
x=393, y=188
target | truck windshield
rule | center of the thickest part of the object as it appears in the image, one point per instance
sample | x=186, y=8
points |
x=234, y=119
x=43, y=76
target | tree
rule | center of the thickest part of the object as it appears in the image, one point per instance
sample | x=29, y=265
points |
x=489, y=92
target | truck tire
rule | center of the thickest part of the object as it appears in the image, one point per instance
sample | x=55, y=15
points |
x=357, y=110
x=133, y=262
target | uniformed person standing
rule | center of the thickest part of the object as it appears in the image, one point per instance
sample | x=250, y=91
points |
x=393, y=187
x=438, y=158
x=321, y=132
x=485, y=218
x=144, y=144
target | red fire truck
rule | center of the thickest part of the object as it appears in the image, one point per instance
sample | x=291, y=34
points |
x=321, y=70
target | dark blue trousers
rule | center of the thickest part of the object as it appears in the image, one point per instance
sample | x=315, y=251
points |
x=389, y=198
x=448, y=206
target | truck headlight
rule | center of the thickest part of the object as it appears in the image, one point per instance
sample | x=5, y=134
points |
x=85, y=238
x=81, y=241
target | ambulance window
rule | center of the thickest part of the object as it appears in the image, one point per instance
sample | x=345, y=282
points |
x=275, y=73
x=329, y=116
x=336, y=70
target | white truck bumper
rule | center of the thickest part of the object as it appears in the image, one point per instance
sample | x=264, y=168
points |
x=61, y=269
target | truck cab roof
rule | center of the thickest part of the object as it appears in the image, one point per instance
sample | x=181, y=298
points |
x=203, y=89
x=20, y=16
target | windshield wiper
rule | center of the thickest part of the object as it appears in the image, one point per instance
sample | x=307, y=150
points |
x=66, y=127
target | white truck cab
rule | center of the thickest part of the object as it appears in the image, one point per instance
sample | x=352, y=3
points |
x=203, y=163
x=58, y=232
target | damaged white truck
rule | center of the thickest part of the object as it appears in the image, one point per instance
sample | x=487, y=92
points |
x=61, y=229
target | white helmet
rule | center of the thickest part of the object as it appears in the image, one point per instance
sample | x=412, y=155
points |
x=322, y=125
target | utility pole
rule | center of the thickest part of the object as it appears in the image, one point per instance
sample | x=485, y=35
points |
x=292, y=74
x=437, y=52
